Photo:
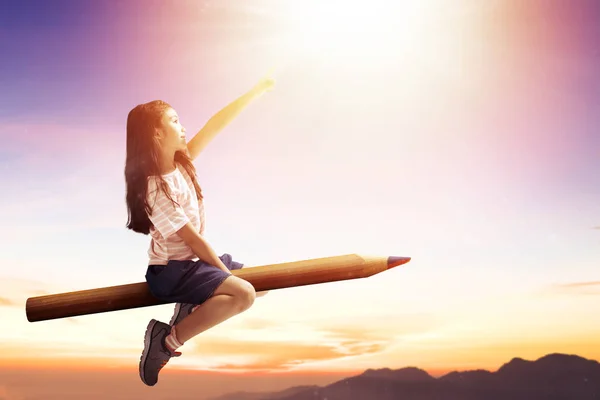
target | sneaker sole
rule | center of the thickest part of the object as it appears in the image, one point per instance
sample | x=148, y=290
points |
x=147, y=340
x=175, y=313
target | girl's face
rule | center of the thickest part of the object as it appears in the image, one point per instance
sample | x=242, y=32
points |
x=172, y=133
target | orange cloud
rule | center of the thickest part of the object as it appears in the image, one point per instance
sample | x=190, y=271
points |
x=261, y=323
x=579, y=288
x=6, y=302
x=580, y=284
x=265, y=355
x=22, y=287
x=36, y=293
x=380, y=327
x=255, y=355
x=327, y=340
x=356, y=333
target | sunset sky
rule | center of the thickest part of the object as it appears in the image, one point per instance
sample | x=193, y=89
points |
x=463, y=134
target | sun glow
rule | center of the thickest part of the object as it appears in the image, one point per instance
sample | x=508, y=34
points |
x=351, y=26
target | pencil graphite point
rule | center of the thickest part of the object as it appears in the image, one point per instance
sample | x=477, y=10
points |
x=395, y=261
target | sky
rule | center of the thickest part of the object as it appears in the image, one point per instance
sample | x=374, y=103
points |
x=461, y=134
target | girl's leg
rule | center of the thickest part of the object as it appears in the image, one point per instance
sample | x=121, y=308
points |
x=232, y=297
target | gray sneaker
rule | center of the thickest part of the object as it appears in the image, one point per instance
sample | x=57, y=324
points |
x=182, y=310
x=156, y=354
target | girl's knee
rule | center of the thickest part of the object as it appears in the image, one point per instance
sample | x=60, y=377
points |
x=245, y=295
x=241, y=290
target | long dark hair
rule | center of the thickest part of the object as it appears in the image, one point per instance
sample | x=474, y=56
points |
x=142, y=161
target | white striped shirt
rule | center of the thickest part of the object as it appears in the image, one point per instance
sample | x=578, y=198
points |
x=168, y=218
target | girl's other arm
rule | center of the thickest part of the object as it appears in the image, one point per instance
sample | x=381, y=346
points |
x=221, y=119
x=200, y=247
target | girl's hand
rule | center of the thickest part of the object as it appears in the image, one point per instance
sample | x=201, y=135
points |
x=264, y=85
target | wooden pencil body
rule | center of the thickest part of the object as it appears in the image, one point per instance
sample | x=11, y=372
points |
x=266, y=277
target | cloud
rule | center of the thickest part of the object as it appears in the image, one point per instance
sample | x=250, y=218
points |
x=380, y=326
x=580, y=284
x=15, y=291
x=262, y=344
x=6, y=302
x=11, y=287
x=578, y=288
x=269, y=355
x=261, y=323
x=39, y=292
x=265, y=345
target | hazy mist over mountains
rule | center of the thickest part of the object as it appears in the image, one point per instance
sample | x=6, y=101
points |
x=552, y=377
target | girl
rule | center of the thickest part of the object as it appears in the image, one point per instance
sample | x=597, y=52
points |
x=165, y=201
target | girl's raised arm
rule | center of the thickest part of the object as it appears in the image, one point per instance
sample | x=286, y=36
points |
x=221, y=119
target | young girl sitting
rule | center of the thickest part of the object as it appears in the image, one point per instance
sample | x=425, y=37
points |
x=165, y=201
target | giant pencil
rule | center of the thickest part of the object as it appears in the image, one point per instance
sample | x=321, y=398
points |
x=265, y=277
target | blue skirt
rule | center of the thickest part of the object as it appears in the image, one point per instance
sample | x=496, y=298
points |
x=187, y=281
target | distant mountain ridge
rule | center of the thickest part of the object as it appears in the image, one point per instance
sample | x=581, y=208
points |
x=551, y=377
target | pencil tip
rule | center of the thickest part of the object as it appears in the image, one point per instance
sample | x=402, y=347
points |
x=395, y=261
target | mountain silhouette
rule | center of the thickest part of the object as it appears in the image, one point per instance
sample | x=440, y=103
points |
x=552, y=377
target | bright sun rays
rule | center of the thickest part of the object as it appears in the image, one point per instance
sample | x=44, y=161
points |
x=425, y=40
x=340, y=26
